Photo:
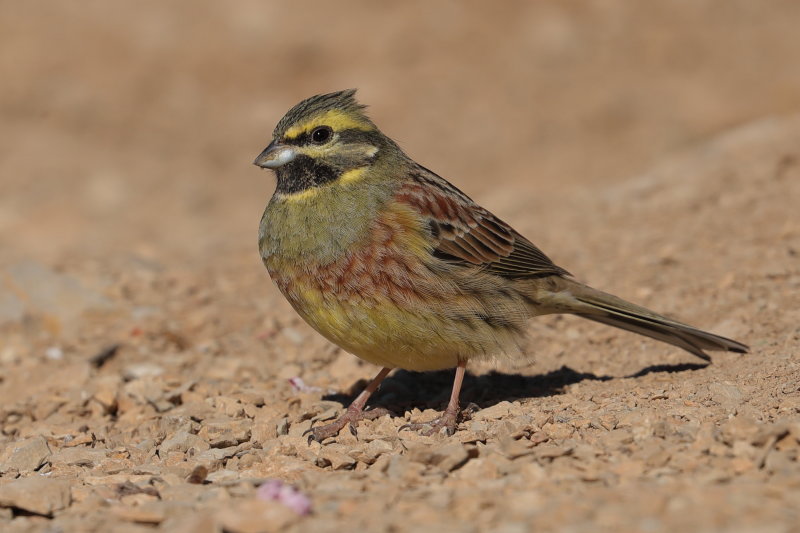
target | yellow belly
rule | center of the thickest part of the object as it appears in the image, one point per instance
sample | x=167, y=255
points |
x=381, y=334
x=414, y=338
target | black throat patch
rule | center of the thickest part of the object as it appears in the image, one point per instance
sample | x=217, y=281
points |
x=304, y=173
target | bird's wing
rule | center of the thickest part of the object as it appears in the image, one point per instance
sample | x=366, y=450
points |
x=466, y=234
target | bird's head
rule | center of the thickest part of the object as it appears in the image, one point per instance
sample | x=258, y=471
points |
x=322, y=139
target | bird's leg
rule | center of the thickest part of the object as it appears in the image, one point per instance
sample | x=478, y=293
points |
x=448, y=420
x=354, y=413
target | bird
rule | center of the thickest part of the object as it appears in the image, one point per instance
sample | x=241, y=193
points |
x=394, y=264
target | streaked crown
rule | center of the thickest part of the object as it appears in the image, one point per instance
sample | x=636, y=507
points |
x=339, y=110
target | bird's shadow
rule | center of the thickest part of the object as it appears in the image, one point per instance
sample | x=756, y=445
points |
x=405, y=390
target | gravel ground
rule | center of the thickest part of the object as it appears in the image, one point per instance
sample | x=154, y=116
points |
x=152, y=378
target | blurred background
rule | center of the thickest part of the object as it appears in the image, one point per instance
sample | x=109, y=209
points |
x=130, y=128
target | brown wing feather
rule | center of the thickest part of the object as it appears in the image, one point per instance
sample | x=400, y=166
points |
x=468, y=234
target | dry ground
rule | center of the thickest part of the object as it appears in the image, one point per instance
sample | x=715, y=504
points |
x=653, y=149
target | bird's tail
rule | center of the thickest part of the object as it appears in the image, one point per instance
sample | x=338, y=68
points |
x=584, y=301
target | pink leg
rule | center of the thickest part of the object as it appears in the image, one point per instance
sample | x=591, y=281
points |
x=448, y=420
x=354, y=413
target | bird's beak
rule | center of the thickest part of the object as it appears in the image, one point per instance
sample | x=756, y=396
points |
x=275, y=155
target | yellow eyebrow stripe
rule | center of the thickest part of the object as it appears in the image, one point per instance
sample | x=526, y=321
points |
x=336, y=119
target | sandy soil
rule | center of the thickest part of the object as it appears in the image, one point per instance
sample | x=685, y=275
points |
x=151, y=377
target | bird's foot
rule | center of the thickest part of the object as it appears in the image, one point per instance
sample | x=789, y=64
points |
x=350, y=418
x=447, y=421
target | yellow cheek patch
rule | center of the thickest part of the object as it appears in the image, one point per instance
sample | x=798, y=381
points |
x=352, y=175
x=337, y=120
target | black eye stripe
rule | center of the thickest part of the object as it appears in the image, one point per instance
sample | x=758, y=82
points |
x=347, y=136
x=360, y=136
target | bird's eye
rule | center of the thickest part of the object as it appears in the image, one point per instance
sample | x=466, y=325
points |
x=321, y=135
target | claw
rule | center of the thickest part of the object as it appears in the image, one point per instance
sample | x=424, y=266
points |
x=424, y=428
x=471, y=408
x=315, y=433
x=350, y=419
x=448, y=421
x=312, y=436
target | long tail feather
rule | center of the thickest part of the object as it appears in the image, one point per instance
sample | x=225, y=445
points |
x=613, y=311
